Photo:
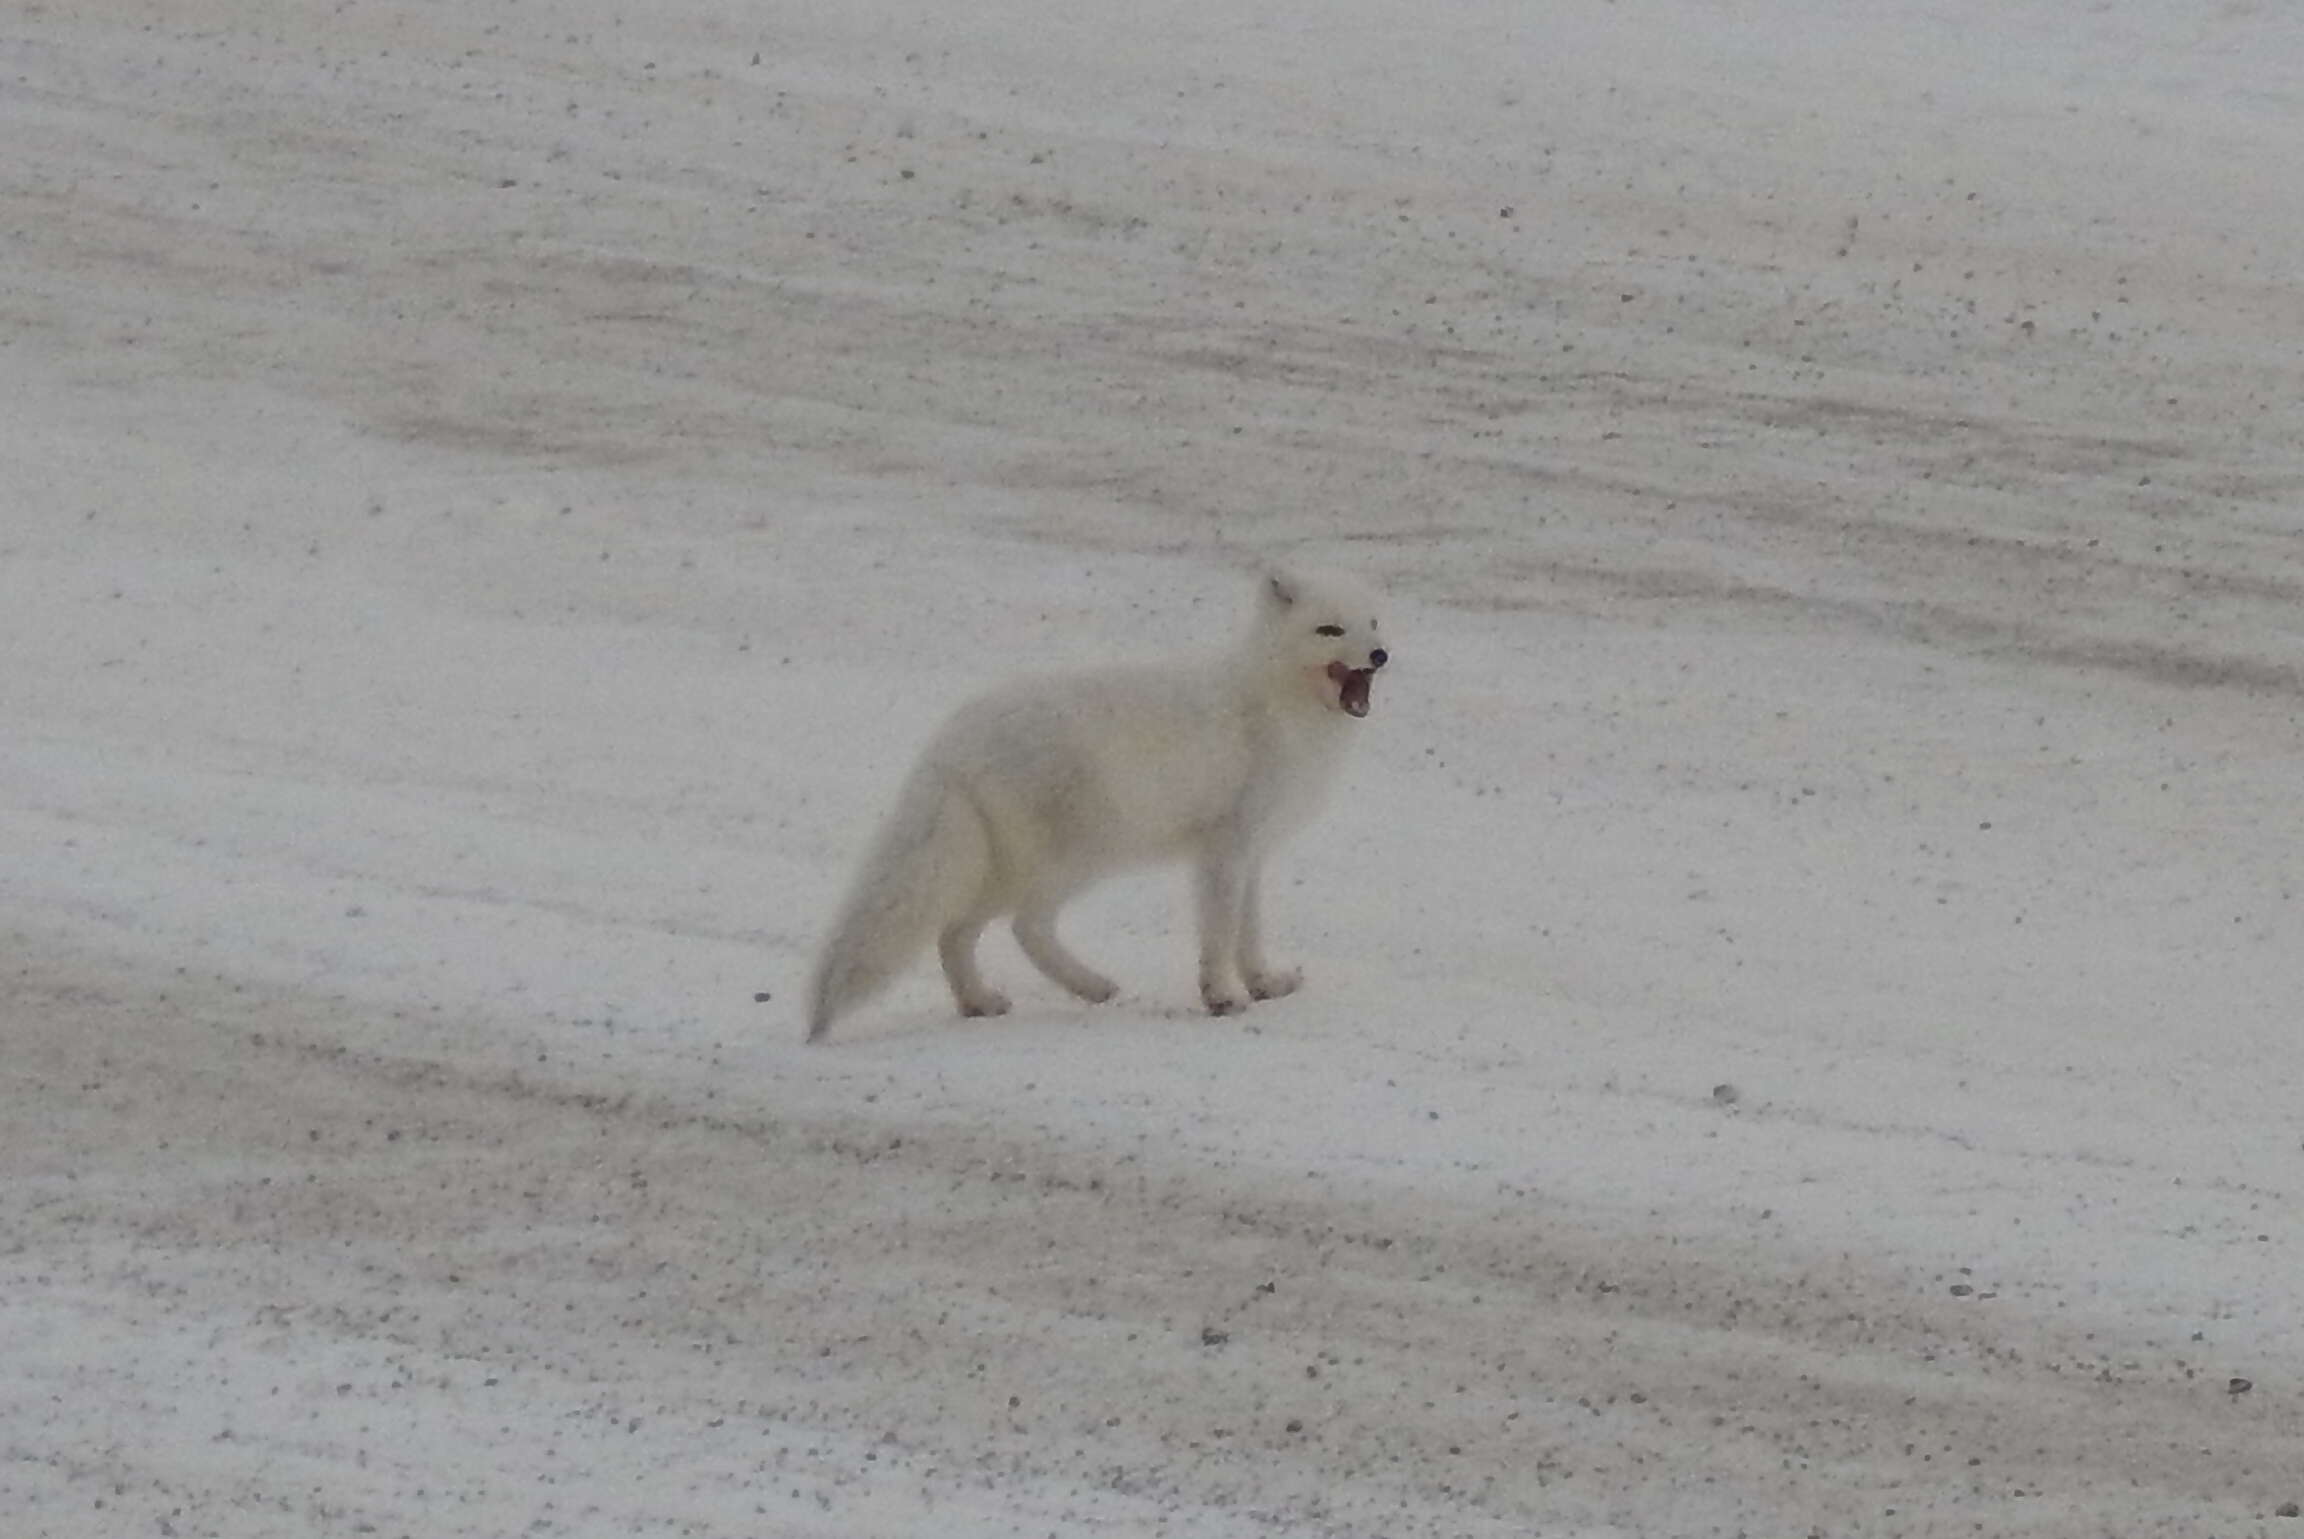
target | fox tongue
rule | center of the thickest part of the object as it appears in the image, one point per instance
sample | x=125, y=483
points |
x=1352, y=687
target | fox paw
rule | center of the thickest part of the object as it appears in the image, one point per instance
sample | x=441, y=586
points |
x=1275, y=983
x=1224, y=1002
x=990, y=1002
x=1097, y=991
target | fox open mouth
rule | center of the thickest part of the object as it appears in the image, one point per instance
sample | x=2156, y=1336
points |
x=1352, y=688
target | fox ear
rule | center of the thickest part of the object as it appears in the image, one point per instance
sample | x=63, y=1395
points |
x=1280, y=589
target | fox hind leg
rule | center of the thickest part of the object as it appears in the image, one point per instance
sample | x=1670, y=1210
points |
x=1036, y=933
x=956, y=948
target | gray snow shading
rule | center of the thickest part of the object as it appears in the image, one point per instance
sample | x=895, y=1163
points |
x=1800, y=1030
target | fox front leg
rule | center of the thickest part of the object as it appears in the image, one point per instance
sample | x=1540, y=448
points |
x=1222, y=889
x=1263, y=979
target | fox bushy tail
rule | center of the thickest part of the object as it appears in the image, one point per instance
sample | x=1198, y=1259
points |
x=928, y=866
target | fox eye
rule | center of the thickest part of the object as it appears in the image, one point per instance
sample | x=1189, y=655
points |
x=1329, y=630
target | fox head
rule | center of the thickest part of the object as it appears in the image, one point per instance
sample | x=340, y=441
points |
x=1321, y=630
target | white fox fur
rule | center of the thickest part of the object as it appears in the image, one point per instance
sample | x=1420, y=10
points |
x=1037, y=790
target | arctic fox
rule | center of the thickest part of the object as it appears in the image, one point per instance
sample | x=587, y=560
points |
x=1039, y=789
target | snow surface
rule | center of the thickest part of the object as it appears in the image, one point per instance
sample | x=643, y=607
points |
x=1802, y=1031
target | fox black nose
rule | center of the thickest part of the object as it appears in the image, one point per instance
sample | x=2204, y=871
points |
x=1379, y=658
